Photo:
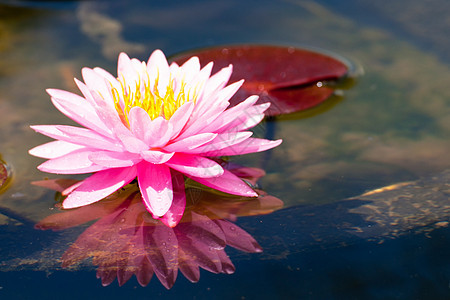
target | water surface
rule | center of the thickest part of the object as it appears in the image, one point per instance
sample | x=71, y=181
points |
x=392, y=126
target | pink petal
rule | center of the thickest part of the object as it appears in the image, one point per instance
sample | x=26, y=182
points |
x=109, y=116
x=105, y=74
x=99, y=185
x=246, y=122
x=158, y=133
x=156, y=156
x=247, y=103
x=155, y=183
x=101, y=106
x=176, y=210
x=227, y=92
x=189, y=70
x=230, y=115
x=193, y=165
x=75, y=162
x=54, y=149
x=223, y=141
x=131, y=143
x=190, y=142
x=98, y=84
x=125, y=70
x=220, y=98
x=110, y=159
x=87, y=93
x=180, y=118
x=228, y=183
x=78, y=109
x=215, y=83
x=173, y=67
x=140, y=122
x=195, y=82
x=250, y=118
x=250, y=145
x=201, y=78
x=199, y=121
x=77, y=135
x=158, y=68
x=139, y=66
x=219, y=80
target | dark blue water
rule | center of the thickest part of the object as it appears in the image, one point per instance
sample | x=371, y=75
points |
x=410, y=267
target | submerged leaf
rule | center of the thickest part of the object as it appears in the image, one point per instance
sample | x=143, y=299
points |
x=4, y=175
x=291, y=79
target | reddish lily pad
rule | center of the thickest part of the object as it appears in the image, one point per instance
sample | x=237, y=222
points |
x=290, y=78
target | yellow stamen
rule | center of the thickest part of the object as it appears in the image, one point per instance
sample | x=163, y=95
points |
x=149, y=99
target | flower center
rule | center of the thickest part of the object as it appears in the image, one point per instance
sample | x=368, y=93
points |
x=149, y=99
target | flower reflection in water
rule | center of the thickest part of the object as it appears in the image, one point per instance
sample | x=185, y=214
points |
x=126, y=240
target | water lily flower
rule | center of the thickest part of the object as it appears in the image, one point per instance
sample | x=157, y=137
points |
x=155, y=122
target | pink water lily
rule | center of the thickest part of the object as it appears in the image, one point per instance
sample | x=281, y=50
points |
x=154, y=122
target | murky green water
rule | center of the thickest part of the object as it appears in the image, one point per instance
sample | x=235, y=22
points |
x=392, y=126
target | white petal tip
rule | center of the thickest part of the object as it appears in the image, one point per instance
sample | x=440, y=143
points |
x=252, y=194
x=68, y=205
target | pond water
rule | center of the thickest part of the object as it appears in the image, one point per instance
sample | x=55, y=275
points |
x=391, y=126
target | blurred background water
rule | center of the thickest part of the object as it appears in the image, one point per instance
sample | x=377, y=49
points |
x=392, y=126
